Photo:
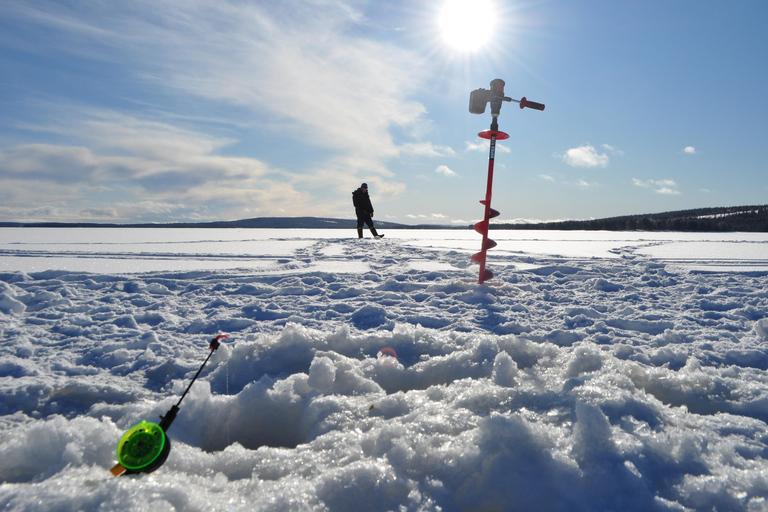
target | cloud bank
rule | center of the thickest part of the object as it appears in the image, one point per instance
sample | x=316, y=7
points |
x=585, y=156
x=306, y=70
x=665, y=187
x=445, y=171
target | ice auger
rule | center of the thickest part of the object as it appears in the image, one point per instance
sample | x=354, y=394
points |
x=478, y=99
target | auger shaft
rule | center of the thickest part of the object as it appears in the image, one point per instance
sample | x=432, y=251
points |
x=482, y=227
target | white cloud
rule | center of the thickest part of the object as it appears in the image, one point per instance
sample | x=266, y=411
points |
x=585, y=156
x=431, y=216
x=477, y=146
x=155, y=168
x=49, y=163
x=426, y=149
x=484, y=145
x=65, y=212
x=690, y=150
x=546, y=177
x=665, y=187
x=445, y=170
x=613, y=150
x=305, y=70
x=345, y=92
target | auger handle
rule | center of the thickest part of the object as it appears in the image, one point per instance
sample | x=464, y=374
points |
x=530, y=104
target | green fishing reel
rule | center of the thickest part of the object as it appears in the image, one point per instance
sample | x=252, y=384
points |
x=143, y=448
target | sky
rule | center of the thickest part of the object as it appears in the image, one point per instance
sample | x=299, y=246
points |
x=205, y=110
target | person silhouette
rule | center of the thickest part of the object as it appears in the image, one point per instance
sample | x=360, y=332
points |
x=364, y=210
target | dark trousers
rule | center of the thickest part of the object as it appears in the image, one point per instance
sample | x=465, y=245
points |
x=365, y=218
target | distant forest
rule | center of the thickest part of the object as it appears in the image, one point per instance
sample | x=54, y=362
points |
x=730, y=218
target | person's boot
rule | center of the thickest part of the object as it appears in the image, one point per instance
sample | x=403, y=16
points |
x=359, y=232
x=373, y=231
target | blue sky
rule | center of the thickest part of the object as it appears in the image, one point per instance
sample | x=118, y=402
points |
x=168, y=110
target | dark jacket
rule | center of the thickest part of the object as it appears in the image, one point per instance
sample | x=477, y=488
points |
x=362, y=202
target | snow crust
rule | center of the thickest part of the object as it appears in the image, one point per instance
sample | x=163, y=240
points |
x=596, y=371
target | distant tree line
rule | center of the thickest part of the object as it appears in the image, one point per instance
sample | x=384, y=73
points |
x=732, y=218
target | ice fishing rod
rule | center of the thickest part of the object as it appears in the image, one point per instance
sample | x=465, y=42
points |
x=478, y=99
x=145, y=447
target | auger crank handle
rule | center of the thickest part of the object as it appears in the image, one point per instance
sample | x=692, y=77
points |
x=530, y=104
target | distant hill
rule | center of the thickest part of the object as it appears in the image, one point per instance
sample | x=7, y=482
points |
x=259, y=222
x=730, y=218
x=293, y=223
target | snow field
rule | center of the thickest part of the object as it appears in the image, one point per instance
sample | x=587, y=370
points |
x=616, y=383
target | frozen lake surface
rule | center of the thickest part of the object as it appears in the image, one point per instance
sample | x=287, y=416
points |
x=595, y=371
x=146, y=250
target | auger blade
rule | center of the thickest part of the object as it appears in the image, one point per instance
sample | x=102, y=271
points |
x=489, y=244
x=487, y=274
x=479, y=257
x=494, y=213
x=482, y=227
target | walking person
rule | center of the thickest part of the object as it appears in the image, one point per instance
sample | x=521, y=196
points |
x=363, y=210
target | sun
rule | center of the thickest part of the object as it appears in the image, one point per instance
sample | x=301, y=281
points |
x=467, y=25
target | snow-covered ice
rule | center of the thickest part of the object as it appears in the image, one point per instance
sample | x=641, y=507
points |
x=596, y=371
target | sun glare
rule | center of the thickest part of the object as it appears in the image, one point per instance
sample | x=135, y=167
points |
x=467, y=24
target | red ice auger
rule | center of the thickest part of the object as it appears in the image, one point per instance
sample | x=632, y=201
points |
x=478, y=99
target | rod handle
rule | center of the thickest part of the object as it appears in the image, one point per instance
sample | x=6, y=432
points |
x=531, y=104
x=165, y=421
